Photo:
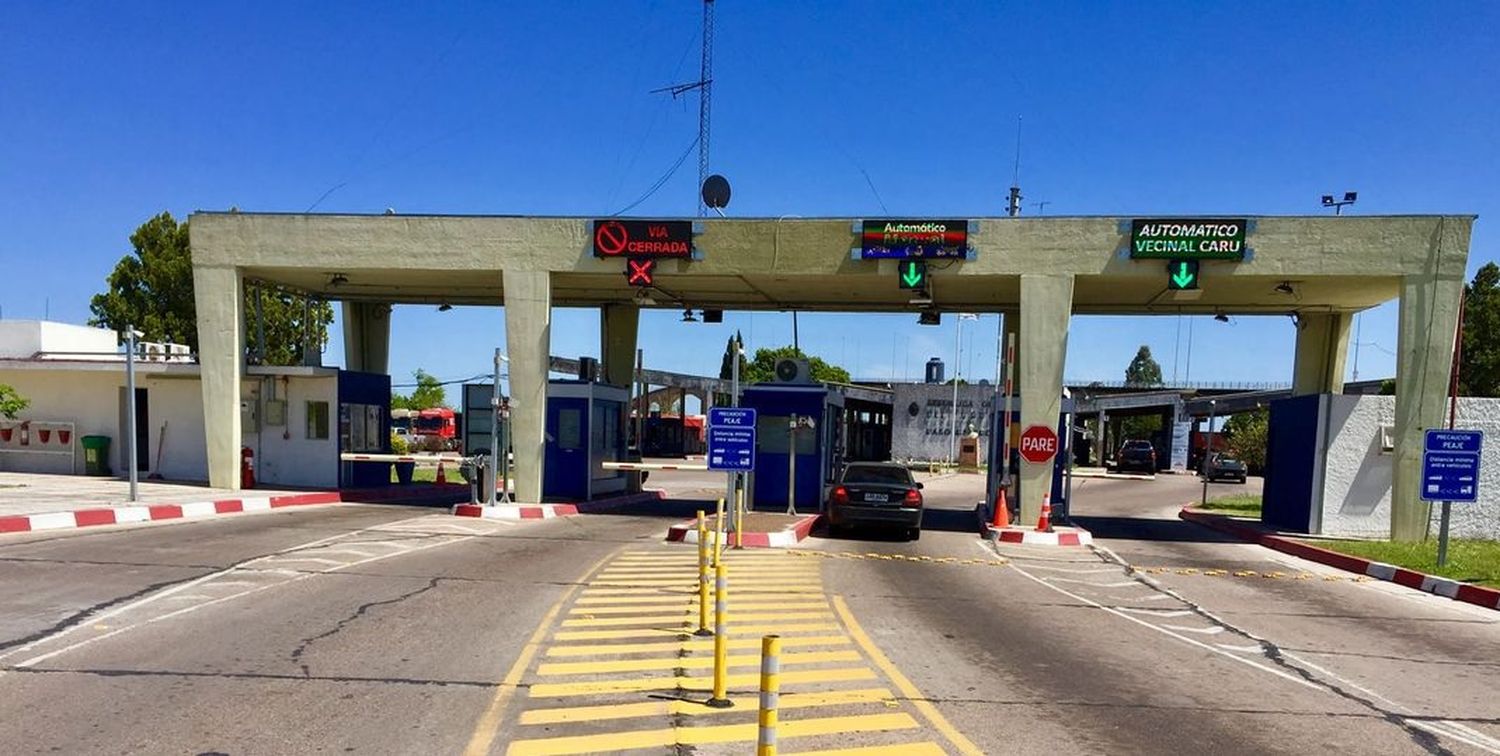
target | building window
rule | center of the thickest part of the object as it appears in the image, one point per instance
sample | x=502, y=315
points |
x=317, y=420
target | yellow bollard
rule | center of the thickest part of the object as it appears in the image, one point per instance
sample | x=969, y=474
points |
x=770, y=694
x=702, y=577
x=719, y=532
x=739, y=518
x=721, y=639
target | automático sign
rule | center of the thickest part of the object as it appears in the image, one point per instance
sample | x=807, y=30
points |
x=902, y=239
x=1188, y=238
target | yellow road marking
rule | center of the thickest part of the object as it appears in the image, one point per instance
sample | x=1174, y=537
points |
x=657, y=619
x=738, y=606
x=734, y=580
x=692, y=574
x=700, y=684
x=698, y=662
x=697, y=644
x=694, y=708
x=685, y=631
x=620, y=741
x=689, y=599
x=489, y=723
x=903, y=749
x=686, y=589
x=956, y=738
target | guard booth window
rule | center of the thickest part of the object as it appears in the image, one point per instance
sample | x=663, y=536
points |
x=771, y=435
x=570, y=429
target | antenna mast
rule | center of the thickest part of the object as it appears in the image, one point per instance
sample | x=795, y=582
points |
x=1013, y=206
x=704, y=85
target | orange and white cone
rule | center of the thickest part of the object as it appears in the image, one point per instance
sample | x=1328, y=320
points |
x=441, y=478
x=1044, y=523
x=1002, y=511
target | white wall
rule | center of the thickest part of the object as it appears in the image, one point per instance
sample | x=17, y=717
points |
x=1357, y=476
x=21, y=339
x=284, y=455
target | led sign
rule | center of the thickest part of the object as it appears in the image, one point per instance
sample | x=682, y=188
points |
x=1187, y=238
x=920, y=239
x=643, y=238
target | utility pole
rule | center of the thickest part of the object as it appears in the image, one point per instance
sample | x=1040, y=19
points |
x=704, y=85
x=1013, y=205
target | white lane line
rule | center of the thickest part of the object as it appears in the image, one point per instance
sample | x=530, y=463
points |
x=1442, y=727
x=1121, y=584
x=1210, y=630
x=1491, y=744
x=355, y=552
x=1073, y=571
x=1154, y=597
x=1253, y=648
x=1185, y=639
x=316, y=560
x=1163, y=613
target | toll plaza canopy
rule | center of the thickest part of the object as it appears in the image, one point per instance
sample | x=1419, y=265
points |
x=1039, y=271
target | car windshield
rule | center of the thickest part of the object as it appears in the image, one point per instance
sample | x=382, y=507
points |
x=1228, y=461
x=1138, y=445
x=872, y=474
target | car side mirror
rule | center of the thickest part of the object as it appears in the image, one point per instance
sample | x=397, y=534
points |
x=919, y=486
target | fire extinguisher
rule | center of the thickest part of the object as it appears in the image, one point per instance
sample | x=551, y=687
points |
x=26, y=433
x=247, y=467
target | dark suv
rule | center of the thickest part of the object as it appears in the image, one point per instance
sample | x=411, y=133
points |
x=882, y=494
x=1136, y=455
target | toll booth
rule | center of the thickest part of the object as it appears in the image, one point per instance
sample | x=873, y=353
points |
x=819, y=445
x=1060, y=462
x=586, y=427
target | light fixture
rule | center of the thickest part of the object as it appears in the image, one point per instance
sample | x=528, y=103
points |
x=643, y=298
x=1285, y=287
x=444, y=307
x=687, y=316
x=1221, y=317
x=337, y=279
x=1338, y=205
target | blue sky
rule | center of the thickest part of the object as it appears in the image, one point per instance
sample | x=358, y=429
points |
x=110, y=113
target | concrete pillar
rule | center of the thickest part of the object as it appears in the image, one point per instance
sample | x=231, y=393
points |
x=618, y=325
x=528, y=339
x=1424, y=359
x=1322, y=347
x=367, y=336
x=1046, y=306
x=221, y=358
x=1012, y=321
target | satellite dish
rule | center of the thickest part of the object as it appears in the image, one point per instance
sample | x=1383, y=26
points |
x=716, y=192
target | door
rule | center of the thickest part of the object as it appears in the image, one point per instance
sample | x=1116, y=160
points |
x=141, y=433
x=565, y=468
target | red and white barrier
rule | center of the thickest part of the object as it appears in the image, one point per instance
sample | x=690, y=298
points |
x=650, y=466
x=421, y=459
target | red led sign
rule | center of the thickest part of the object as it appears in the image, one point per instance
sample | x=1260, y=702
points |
x=643, y=238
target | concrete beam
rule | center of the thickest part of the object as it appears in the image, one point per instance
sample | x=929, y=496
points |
x=1322, y=348
x=1046, y=306
x=367, y=336
x=618, y=327
x=528, y=339
x=219, y=296
x=1424, y=358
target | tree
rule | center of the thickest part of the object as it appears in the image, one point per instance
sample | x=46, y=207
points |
x=11, y=402
x=428, y=393
x=1479, y=365
x=726, y=368
x=1246, y=434
x=151, y=289
x=763, y=368
x=1143, y=370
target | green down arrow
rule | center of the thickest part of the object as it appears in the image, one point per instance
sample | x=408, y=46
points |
x=1183, y=276
x=912, y=275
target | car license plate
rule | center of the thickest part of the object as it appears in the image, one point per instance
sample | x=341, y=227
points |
x=877, y=497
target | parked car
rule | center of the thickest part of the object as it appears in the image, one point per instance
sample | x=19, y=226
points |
x=874, y=493
x=1136, y=455
x=1224, y=467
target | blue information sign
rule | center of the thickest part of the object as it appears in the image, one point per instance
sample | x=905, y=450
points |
x=731, y=439
x=1450, y=465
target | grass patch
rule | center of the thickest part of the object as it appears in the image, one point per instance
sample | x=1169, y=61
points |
x=429, y=474
x=1243, y=505
x=1469, y=560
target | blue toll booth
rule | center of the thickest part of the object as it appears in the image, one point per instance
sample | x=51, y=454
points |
x=586, y=427
x=819, y=444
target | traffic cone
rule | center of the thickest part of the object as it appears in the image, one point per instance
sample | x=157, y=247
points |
x=1044, y=523
x=1002, y=511
x=441, y=478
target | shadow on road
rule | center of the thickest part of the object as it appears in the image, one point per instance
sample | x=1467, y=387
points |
x=1150, y=529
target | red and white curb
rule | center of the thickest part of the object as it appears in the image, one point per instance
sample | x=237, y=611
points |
x=83, y=518
x=687, y=532
x=1060, y=536
x=516, y=511
x=1488, y=598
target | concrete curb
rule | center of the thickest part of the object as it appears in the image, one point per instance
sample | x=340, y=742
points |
x=1488, y=598
x=687, y=532
x=83, y=518
x=1060, y=536
x=605, y=505
x=515, y=511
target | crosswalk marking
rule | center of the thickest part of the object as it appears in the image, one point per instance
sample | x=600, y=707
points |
x=685, y=631
x=788, y=605
x=683, y=707
x=657, y=619
x=698, y=662
x=619, y=741
x=904, y=749
x=696, y=644
x=701, y=684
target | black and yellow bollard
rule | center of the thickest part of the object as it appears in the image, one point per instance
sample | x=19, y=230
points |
x=703, y=577
x=770, y=694
x=721, y=639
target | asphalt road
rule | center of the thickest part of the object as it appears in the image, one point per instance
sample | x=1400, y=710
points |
x=379, y=629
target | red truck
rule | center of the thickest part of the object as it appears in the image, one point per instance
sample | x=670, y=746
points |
x=435, y=422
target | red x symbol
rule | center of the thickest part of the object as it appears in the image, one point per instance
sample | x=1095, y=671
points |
x=639, y=270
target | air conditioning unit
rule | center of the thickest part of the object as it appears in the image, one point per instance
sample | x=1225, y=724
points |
x=179, y=353
x=155, y=352
x=793, y=371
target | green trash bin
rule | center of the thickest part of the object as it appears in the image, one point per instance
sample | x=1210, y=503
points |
x=96, y=455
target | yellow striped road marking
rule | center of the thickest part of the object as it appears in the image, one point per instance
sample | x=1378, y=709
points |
x=678, y=553
x=697, y=662
x=739, y=606
x=689, y=599
x=686, y=630
x=684, y=589
x=697, y=644
x=657, y=619
x=693, y=573
x=700, y=684
x=903, y=749
x=680, y=707
x=956, y=738
x=621, y=741
x=734, y=580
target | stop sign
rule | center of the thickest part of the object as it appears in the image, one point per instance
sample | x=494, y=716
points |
x=1038, y=444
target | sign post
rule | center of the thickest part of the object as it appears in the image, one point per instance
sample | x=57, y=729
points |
x=1450, y=473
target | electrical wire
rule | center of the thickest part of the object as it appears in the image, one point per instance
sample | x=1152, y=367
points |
x=659, y=182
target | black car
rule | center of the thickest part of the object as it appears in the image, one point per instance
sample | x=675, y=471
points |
x=1136, y=455
x=1224, y=467
x=872, y=493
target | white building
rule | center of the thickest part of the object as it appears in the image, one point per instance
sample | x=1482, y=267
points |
x=294, y=420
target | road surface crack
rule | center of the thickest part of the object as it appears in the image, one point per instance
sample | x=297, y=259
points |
x=359, y=611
